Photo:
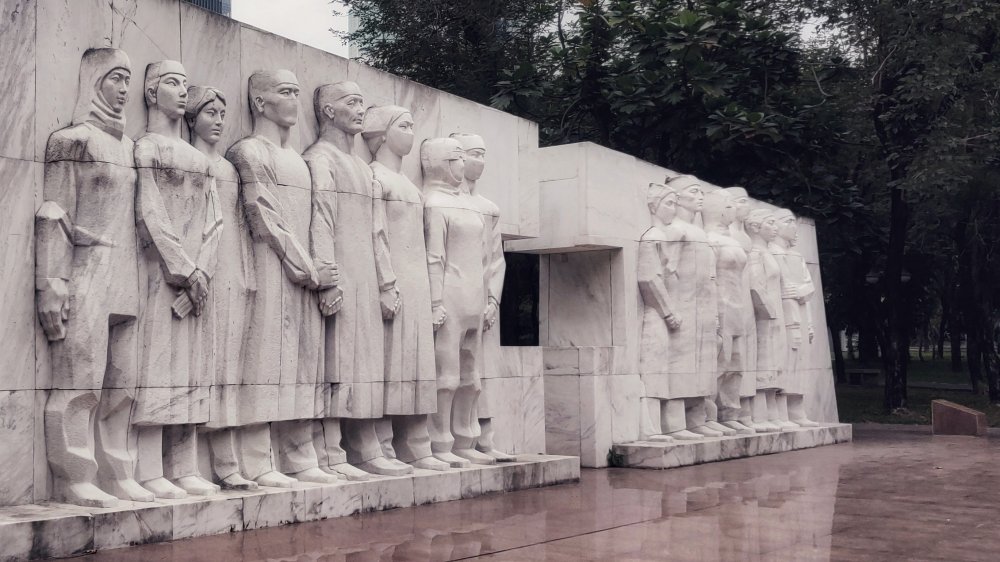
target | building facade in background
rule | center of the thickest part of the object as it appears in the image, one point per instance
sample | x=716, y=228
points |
x=224, y=7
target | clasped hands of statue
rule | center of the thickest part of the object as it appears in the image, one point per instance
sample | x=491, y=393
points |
x=439, y=314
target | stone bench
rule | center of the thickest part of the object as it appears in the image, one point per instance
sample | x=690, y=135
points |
x=949, y=418
x=863, y=377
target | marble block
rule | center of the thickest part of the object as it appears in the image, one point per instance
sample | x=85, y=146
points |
x=17, y=41
x=430, y=486
x=949, y=418
x=648, y=454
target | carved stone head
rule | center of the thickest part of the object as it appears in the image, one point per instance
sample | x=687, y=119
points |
x=475, y=154
x=105, y=75
x=742, y=201
x=760, y=222
x=341, y=105
x=443, y=160
x=662, y=202
x=719, y=208
x=206, y=113
x=274, y=96
x=689, y=193
x=390, y=126
x=787, y=226
x=165, y=88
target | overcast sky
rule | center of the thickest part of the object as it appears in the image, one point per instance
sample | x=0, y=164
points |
x=305, y=21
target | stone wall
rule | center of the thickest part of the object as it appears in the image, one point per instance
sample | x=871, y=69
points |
x=43, y=41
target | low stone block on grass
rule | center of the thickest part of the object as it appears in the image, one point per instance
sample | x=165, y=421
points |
x=949, y=418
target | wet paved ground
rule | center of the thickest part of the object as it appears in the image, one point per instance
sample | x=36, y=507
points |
x=890, y=495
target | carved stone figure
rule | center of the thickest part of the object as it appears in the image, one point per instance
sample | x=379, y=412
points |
x=748, y=386
x=410, y=378
x=348, y=222
x=657, y=268
x=454, y=232
x=179, y=224
x=496, y=267
x=796, y=290
x=87, y=289
x=232, y=289
x=765, y=292
x=284, y=351
x=731, y=261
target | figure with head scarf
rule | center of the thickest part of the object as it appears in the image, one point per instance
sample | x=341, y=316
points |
x=232, y=288
x=87, y=289
x=692, y=347
x=454, y=232
x=410, y=379
x=282, y=376
x=719, y=213
x=796, y=290
x=179, y=224
x=748, y=387
x=496, y=268
x=348, y=227
x=765, y=294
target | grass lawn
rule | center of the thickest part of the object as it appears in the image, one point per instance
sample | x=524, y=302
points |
x=864, y=404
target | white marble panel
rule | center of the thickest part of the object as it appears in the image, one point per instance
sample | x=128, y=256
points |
x=64, y=31
x=41, y=476
x=580, y=289
x=132, y=525
x=471, y=482
x=423, y=103
x=562, y=415
x=45, y=531
x=17, y=436
x=595, y=419
x=17, y=66
x=204, y=32
x=316, y=68
x=626, y=390
x=499, y=182
x=533, y=415
x=491, y=479
x=274, y=508
x=385, y=492
x=431, y=486
x=335, y=500
x=17, y=277
x=505, y=396
x=528, y=178
x=149, y=31
x=199, y=517
x=260, y=50
x=521, y=476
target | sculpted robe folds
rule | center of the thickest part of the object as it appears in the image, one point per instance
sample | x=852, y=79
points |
x=348, y=228
x=798, y=321
x=765, y=291
x=411, y=381
x=658, y=253
x=496, y=268
x=179, y=223
x=734, y=301
x=282, y=377
x=233, y=290
x=85, y=234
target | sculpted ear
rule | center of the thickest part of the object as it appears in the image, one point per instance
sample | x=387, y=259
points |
x=151, y=96
x=258, y=104
x=328, y=111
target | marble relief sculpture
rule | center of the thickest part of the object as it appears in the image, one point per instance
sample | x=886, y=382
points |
x=232, y=290
x=765, y=291
x=283, y=373
x=87, y=290
x=496, y=267
x=454, y=233
x=410, y=378
x=731, y=260
x=796, y=290
x=348, y=227
x=179, y=224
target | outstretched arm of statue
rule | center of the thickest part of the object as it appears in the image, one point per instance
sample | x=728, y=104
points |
x=436, y=238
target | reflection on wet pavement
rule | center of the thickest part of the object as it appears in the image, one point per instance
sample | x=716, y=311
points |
x=891, y=495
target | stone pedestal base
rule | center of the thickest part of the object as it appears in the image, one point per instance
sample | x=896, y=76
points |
x=648, y=454
x=54, y=530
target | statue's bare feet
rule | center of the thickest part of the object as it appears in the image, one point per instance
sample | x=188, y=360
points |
x=275, y=479
x=350, y=473
x=706, y=431
x=129, y=490
x=739, y=428
x=164, y=489
x=85, y=494
x=431, y=463
x=765, y=427
x=453, y=460
x=474, y=456
x=805, y=422
x=386, y=467
x=235, y=481
x=685, y=435
x=314, y=475
x=714, y=425
x=500, y=456
x=660, y=438
x=197, y=486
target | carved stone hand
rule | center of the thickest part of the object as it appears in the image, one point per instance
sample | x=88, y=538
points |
x=673, y=321
x=330, y=301
x=53, y=308
x=439, y=314
x=390, y=302
x=490, y=315
x=327, y=274
x=197, y=290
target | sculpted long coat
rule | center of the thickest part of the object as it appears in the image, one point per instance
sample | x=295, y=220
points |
x=798, y=320
x=765, y=290
x=658, y=254
x=348, y=228
x=284, y=349
x=410, y=379
x=179, y=223
x=495, y=269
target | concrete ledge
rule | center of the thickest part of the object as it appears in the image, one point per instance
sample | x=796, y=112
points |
x=56, y=530
x=649, y=454
x=949, y=418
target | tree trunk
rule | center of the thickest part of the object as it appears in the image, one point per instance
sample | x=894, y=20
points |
x=867, y=344
x=956, y=350
x=896, y=351
x=839, y=369
x=973, y=352
x=850, y=345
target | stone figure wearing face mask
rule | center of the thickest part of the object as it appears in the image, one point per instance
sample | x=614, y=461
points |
x=232, y=289
x=179, y=222
x=796, y=290
x=410, y=379
x=284, y=345
x=87, y=280
x=454, y=232
x=348, y=226
x=496, y=267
